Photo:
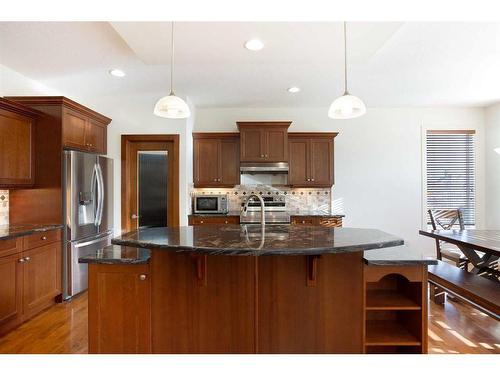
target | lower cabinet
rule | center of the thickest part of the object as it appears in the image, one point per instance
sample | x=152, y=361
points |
x=30, y=280
x=207, y=220
x=316, y=221
x=119, y=308
x=10, y=292
x=41, y=278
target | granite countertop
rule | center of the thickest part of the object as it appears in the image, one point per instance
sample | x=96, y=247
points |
x=249, y=240
x=318, y=213
x=115, y=254
x=397, y=255
x=19, y=230
x=230, y=213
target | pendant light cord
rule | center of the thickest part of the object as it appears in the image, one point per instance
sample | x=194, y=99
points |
x=345, y=60
x=172, y=62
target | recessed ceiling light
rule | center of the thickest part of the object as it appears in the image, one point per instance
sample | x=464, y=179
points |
x=293, y=89
x=117, y=73
x=254, y=45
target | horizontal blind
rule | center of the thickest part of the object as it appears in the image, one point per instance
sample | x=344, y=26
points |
x=450, y=172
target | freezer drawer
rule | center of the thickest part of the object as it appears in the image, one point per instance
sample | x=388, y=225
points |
x=76, y=277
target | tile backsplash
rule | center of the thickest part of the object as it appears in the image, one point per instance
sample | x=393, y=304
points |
x=297, y=199
x=4, y=207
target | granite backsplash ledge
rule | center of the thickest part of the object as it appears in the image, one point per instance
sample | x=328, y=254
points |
x=297, y=199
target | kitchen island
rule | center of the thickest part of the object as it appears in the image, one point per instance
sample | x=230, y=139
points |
x=249, y=289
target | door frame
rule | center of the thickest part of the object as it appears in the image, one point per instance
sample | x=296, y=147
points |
x=126, y=139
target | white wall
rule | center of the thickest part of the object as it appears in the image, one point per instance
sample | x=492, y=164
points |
x=378, y=159
x=492, y=125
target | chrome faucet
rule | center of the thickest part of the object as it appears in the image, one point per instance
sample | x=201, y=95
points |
x=262, y=208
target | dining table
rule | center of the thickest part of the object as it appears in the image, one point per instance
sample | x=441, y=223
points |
x=480, y=246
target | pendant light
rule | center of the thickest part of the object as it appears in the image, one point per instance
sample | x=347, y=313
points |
x=347, y=106
x=172, y=106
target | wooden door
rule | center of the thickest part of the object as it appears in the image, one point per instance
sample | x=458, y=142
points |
x=202, y=304
x=131, y=145
x=299, y=161
x=119, y=309
x=276, y=145
x=74, y=126
x=310, y=305
x=229, y=162
x=321, y=161
x=17, y=152
x=206, y=162
x=95, y=137
x=10, y=291
x=41, y=277
x=252, y=144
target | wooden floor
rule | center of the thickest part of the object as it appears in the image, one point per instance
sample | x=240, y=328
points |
x=454, y=328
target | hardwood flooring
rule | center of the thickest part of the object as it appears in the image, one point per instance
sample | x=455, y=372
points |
x=454, y=328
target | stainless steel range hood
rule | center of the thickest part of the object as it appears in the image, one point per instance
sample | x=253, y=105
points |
x=251, y=168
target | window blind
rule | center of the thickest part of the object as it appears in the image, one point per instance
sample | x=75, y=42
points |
x=451, y=172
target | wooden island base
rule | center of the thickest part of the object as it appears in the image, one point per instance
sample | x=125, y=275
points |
x=195, y=303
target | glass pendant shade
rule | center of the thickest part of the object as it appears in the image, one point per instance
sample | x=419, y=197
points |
x=172, y=106
x=347, y=106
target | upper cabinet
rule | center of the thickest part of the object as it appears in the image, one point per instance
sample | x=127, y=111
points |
x=17, y=144
x=311, y=159
x=263, y=141
x=216, y=159
x=82, y=128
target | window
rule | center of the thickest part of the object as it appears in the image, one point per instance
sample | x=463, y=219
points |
x=451, y=172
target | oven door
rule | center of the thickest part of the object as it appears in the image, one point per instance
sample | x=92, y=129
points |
x=207, y=205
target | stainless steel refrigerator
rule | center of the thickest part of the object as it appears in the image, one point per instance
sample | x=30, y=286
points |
x=88, y=213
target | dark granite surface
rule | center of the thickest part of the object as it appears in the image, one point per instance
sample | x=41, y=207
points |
x=318, y=213
x=12, y=231
x=397, y=255
x=115, y=254
x=249, y=240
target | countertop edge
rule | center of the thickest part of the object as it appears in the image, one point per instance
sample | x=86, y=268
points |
x=27, y=232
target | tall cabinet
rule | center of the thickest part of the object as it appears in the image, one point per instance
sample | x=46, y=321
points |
x=64, y=124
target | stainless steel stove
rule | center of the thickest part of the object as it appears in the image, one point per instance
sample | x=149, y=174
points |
x=275, y=211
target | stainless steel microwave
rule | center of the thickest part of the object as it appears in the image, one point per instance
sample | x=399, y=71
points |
x=210, y=204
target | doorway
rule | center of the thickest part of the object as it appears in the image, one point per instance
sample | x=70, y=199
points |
x=150, y=181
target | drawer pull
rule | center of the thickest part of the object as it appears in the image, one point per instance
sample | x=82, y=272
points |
x=142, y=277
x=201, y=221
x=43, y=238
x=225, y=222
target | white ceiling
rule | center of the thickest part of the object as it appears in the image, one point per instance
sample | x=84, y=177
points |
x=390, y=64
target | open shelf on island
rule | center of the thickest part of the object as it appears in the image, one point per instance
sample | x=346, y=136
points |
x=389, y=300
x=389, y=333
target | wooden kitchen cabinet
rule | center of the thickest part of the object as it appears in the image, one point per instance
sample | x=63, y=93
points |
x=41, y=278
x=311, y=159
x=316, y=221
x=82, y=132
x=216, y=161
x=10, y=292
x=263, y=141
x=17, y=144
x=119, y=309
x=210, y=220
x=30, y=276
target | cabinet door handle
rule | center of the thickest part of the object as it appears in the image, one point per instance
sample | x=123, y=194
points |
x=262, y=156
x=27, y=259
x=43, y=238
x=142, y=277
x=225, y=222
x=303, y=221
x=201, y=221
x=312, y=179
x=308, y=179
x=21, y=260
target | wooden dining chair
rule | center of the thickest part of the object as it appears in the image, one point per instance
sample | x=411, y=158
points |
x=447, y=220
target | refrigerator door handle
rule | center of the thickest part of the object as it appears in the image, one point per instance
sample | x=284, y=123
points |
x=100, y=187
x=94, y=189
x=87, y=243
